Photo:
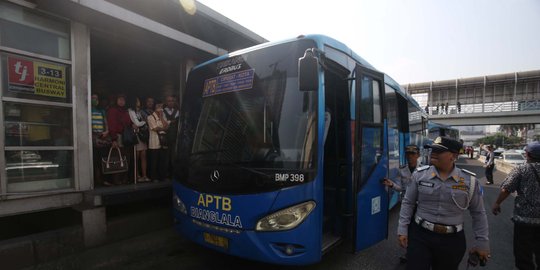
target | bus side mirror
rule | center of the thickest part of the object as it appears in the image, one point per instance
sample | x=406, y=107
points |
x=308, y=72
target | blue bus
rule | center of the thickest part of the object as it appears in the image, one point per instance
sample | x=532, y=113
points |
x=441, y=130
x=282, y=148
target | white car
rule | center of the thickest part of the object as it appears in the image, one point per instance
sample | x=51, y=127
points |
x=513, y=158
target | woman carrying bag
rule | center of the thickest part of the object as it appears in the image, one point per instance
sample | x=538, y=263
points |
x=141, y=131
x=117, y=120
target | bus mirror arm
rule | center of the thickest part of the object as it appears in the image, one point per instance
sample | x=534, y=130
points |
x=308, y=71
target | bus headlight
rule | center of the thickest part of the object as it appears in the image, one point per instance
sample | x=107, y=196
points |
x=285, y=219
x=179, y=205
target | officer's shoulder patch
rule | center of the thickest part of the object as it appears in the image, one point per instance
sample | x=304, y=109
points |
x=422, y=168
x=468, y=172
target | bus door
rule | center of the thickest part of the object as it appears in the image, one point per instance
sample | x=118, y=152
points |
x=370, y=159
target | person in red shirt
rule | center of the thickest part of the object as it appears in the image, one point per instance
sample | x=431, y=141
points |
x=118, y=119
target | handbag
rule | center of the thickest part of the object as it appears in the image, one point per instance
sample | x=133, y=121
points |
x=98, y=141
x=143, y=133
x=128, y=137
x=114, y=164
x=162, y=136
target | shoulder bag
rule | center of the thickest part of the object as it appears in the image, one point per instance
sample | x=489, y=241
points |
x=114, y=164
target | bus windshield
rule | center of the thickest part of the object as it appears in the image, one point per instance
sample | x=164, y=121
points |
x=245, y=126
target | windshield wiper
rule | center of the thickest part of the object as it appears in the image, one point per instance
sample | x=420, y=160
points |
x=207, y=152
x=255, y=171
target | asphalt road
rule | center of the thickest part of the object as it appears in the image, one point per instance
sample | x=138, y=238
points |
x=167, y=250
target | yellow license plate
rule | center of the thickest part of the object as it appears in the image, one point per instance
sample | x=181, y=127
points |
x=216, y=240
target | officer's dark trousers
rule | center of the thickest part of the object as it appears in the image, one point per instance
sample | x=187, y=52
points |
x=428, y=250
x=489, y=173
x=526, y=243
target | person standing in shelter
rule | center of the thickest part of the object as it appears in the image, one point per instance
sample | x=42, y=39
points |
x=117, y=120
x=159, y=160
x=147, y=110
x=446, y=108
x=400, y=184
x=100, y=140
x=525, y=180
x=490, y=165
x=139, y=125
x=172, y=114
x=432, y=212
x=149, y=104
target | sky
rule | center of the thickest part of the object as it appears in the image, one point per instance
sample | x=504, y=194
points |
x=410, y=40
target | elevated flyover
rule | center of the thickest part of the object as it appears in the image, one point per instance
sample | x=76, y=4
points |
x=511, y=98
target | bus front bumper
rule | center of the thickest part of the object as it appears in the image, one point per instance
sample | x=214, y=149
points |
x=298, y=246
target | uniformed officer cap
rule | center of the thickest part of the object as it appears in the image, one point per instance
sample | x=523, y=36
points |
x=411, y=148
x=442, y=144
x=533, y=149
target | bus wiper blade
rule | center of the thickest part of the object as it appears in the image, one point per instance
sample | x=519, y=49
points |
x=207, y=152
x=255, y=171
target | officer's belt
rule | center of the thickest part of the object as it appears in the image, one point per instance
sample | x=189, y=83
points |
x=438, y=228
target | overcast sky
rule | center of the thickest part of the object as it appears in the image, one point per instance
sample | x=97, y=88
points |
x=411, y=40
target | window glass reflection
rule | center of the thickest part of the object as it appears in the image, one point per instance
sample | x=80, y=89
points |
x=24, y=30
x=39, y=170
x=37, y=125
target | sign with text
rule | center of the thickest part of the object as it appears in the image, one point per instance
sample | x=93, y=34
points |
x=232, y=82
x=37, y=78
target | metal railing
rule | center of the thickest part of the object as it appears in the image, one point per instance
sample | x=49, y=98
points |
x=511, y=106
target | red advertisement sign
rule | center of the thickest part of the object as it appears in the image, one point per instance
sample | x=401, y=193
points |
x=36, y=78
x=21, y=72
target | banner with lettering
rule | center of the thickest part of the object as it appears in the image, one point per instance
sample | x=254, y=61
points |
x=37, y=78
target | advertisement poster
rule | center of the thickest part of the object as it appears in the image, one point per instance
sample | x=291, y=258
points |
x=37, y=78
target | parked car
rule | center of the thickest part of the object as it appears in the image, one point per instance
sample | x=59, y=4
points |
x=522, y=151
x=513, y=157
x=498, y=152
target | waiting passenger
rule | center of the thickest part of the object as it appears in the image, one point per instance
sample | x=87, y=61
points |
x=157, y=147
x=148, y=109
x=117, y=120
x=141, y=129
x=100, y=140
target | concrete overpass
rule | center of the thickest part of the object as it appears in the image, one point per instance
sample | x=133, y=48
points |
x=491, y=118
x=511, y=98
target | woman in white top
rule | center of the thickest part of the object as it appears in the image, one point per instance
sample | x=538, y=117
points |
x=156, y=147
x=139, y=125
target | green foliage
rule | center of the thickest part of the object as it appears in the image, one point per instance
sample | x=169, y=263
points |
x=499, y=139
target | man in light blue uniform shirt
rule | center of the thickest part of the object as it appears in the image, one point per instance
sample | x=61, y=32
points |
x=403, y=179
x=432, y=212
x=412, y=153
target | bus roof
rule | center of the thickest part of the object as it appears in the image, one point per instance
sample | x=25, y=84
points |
x=321, y=41
x=432, y=124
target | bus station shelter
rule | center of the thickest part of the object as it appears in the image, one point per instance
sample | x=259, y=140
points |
x=54, y=55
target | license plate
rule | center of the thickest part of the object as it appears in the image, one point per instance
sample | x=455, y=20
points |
x=216, y=240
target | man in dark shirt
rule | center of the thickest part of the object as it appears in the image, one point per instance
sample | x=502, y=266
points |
x=524, y=180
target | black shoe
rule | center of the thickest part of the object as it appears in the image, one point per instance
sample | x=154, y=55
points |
x=489, y=183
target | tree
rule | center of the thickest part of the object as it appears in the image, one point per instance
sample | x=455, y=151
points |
x=499, y=139
x=512, y=129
